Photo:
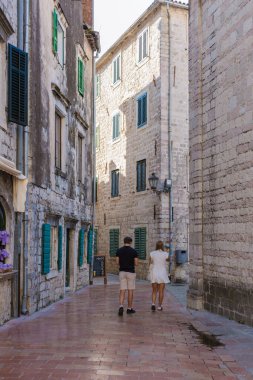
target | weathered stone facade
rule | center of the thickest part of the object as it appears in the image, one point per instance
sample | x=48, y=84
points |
x=56, y=195
x=59, y=156
x=167, y=26
x=221, y=158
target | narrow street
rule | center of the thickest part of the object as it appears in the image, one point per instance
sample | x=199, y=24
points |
x=82, y=337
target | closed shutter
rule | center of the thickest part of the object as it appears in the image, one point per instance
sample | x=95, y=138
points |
x=89, y=246
x=59, y=262
x=144, y=109
x=46, y=243
x=55, y=32
x=80, y=76
x=140, y=237
x=17, y=86
x=81, y=247
x=140, y=48
x=141, y=175
x=115, y=183
x=114, y=242
x=95, y=241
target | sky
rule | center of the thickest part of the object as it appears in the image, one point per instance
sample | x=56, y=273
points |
x=113, y=18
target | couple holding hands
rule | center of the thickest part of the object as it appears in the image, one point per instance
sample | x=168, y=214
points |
x=127, y=259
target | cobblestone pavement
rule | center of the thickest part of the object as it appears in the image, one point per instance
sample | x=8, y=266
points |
x=82, y=337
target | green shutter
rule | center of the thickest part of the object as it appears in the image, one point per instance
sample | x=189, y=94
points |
x=60, y=229
x=17, y=86
x=46, y=244
x=80, y=76
x=140, y=237
x=144, y=109
x=81, y=247
x=114, y=242
x=89, y=246
x=55, y=32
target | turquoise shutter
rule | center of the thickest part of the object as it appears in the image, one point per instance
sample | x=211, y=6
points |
x=80, y=76
x=81, y=247
x=113, y=127
x=114, y=242
x=144, y=109
x=89, y=246
x=139, y=122
x=143, y=175
x=140, y=236
x=59, y=261
x=138, y=170
x=55, y=32
x=46, y=244
x=17, y=86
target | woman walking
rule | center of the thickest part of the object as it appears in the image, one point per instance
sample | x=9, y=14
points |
x=158, y=274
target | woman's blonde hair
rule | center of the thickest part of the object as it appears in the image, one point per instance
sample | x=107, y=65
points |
x=159, y=245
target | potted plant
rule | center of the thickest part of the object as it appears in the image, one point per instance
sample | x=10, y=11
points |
x=4, y=239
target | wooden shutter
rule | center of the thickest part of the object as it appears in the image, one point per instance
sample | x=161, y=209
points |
x=145, y=44
x=81, y=247
x=95, y=241
x=55, y=32
x=46, y=243
x=140, y=242
x=144, y=109
x=114, y=241
x=17, y=86
x=59, y=261
x=143, y=175
x=80, y=76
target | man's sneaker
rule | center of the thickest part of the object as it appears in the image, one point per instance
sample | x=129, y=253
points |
x=153, y=307
x=121, y=310
x=130, y=311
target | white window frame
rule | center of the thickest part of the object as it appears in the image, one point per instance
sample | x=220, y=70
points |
x=60, y=110
x=143, y=59
x=61, y=60
x=118, y=79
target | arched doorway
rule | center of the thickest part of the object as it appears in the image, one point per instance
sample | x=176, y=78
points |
x=2, y=218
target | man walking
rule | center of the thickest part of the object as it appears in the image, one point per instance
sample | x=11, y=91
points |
x=127, y=259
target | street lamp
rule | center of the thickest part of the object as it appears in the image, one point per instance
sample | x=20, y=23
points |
x=154, y=182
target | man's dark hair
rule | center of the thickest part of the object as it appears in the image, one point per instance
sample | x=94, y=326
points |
x=128, y=240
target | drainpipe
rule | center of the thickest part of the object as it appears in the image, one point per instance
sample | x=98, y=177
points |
x=169, y=133
x=26, y=143
x=20, y=46
x=93, y=149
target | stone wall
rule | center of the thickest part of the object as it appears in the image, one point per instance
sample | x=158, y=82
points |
x=133, y=209
x=221, y=158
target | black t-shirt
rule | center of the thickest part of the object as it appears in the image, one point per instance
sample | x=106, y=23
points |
x=126, y=257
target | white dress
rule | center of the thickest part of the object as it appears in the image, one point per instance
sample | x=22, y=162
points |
x=158, y=268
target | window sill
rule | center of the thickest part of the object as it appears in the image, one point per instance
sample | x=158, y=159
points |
x=116, y=140
x=143, y=61
x=60, y=173
x=116, y=197
x=116, y=84
x=142, y=126
x=52, y=274
x=142, y=192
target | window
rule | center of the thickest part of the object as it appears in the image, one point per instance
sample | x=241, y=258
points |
x=115, y=183
x=116, y=126
x=17, y=86
x=114, y=241
x=80, y=76
x=80, y=158
x=140, y=237
x=116, y=69
x=98, y=85
x=95, y=241
x=53, y=248
x=58, y=39
x=141, y=175
x=142, y=110
x=143, y=45
x=97, y=136
x=58, y=139
x=2, y=218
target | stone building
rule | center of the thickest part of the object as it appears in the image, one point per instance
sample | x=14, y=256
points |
x=48, y=147
x=221, y=97
x=142, y=128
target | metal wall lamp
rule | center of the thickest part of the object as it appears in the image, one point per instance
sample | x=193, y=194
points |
x=156, y=186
